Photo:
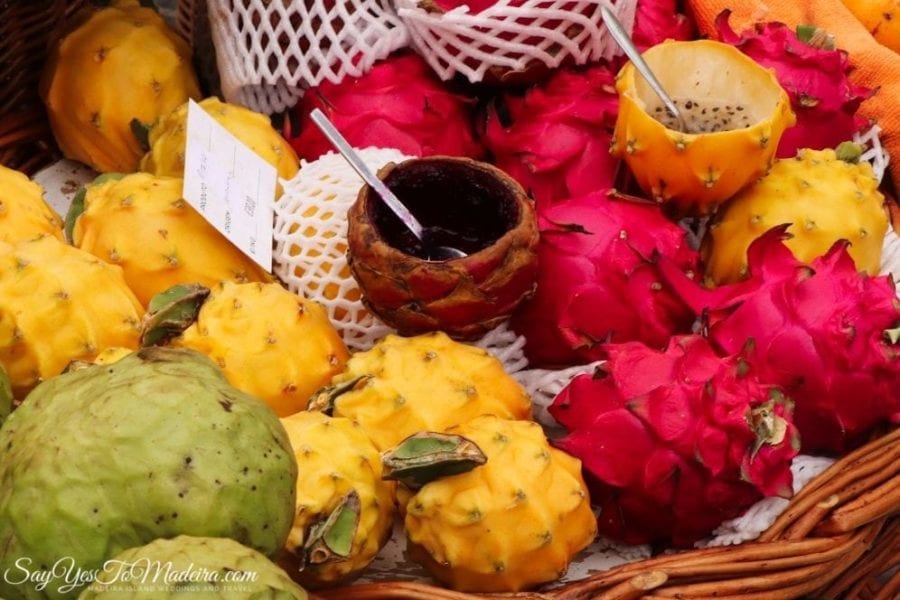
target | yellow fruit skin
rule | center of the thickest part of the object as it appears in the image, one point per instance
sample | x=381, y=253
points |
x=824, y=198
x=111, y=355
x=269, y=342
x=333, y=457
x=167, y=139
x=881, y=18
x=426, y=383
x=122, y=63
x=510, y=524
x=142, y=224
x=695, y=172
x=23, y=213
x=59, y=304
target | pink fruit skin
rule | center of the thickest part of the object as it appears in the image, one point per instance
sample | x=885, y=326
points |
x=597, y=281
x=555, y=139
x=665, y=441
x=399, y=104
x=656, y=21
x=475, y=6
x=818, y=331
x=822, y=96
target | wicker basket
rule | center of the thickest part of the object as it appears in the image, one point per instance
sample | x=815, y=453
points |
x=26, y=142
x=838, y=538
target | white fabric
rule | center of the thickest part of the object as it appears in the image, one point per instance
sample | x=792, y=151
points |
x=269, y=51
x=512, y=34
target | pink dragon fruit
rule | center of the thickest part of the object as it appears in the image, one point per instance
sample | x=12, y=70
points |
x=555, y=139
x=815, y=78
x=656, y=21
x=823, y=332
x=675, y=442
x=596, y=281
x=399, y=104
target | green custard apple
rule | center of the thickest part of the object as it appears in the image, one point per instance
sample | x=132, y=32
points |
x=6, y=396
x=192, y=567
x=109, y=457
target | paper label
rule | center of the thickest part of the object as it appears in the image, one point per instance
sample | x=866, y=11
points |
x=230, y=185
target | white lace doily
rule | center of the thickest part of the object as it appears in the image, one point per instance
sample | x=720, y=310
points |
x=268, y=51
x=512, y=34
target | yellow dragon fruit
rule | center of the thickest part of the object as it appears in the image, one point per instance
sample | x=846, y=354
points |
x=23, y=213
x=423, y=383
x=345, y=510
x=59, y=304
x=825, y=195
x=735, y=112
x=495, y=508
x=168, y=137
x=141, y=223
x=116, y=73
x=269, y=343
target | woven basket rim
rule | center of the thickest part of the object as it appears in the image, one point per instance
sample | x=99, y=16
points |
x=834, y=539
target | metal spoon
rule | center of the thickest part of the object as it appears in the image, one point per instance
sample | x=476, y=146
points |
x=624, y=40
x=390, y=199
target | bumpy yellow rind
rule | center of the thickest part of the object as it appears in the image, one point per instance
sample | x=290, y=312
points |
x=881, y=18
x=167, y=139
x=59, y=304
x=122, y=63
x=111, y=355
x=23, y=213
x=142, y=224
x=269, y=342
x=334, y=456
x=426, y=383
x=825, y=199
x=695, y=172
x=511, y=524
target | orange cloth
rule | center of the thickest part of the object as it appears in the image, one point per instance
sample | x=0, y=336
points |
x=875, y=66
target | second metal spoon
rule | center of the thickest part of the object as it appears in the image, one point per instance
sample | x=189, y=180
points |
x=624, y=40
x=389, y=198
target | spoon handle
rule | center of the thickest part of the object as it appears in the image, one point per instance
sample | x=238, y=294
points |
x=624, y=41
x=350, y=155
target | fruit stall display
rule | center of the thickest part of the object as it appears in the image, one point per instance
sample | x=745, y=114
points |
x=668, y=364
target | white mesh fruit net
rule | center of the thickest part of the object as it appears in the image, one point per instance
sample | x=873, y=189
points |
x=269, y=51
x=311, y=241
x=512, y=34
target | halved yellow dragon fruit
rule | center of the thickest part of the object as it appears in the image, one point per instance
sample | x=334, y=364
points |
x=735, y=113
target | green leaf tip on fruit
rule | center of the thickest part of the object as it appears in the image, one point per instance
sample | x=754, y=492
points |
x=171, y=312
x=77, y=206
x=331, y=538
x=426, y=456
x=815, y=37
x=324, y=399
x=849, y=152
x=893, y=335
x=141, y=133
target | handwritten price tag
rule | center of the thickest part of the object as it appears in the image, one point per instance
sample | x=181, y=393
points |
x=230, y=185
